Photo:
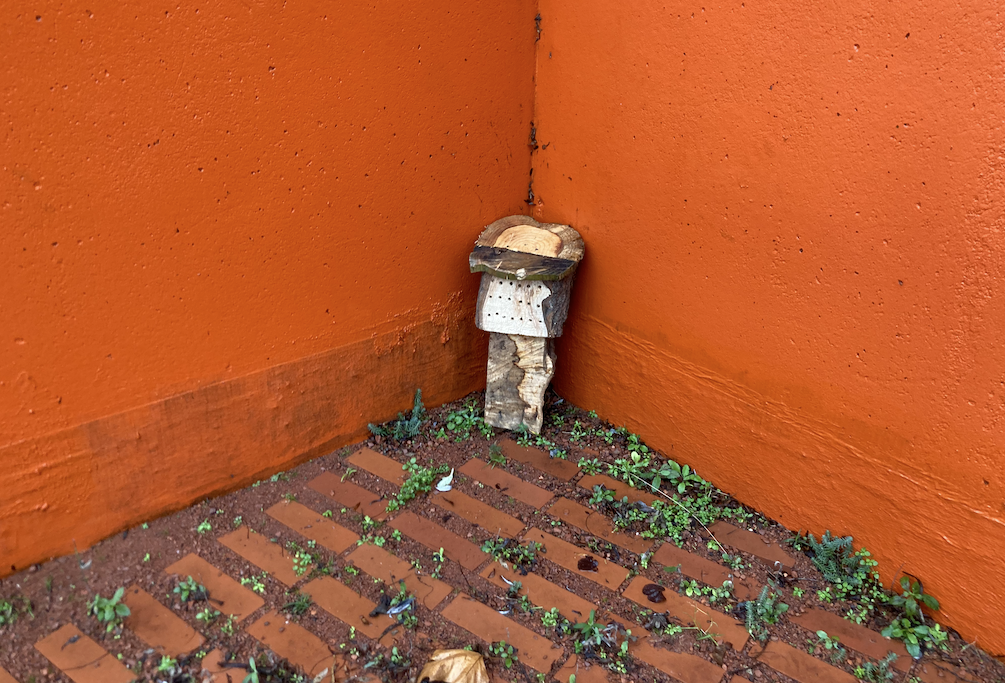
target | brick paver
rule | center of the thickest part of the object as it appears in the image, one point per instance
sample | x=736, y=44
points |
x=477, y=512
x=218, y=674
x=347, y=494
x=704, y=570
x=6, y=677
x=797, y=664
x=541, y=592
x=350, y=607
x=535, y=457
x=752, y=543
x=573, y=667
x=690, y=612
x=381, y=564
x=593, y=522
x=157, y=625
x=312, y=525
x=225, y=594
x=621, y=489
x=854, y=636
x=504, y=482
x=684, y=667
x=82, y=659
x=434, y=537
x=379, y=465
x=535, y=651
x=292, y=641
x=567, y=555
x=263, y=553
x=941, y=672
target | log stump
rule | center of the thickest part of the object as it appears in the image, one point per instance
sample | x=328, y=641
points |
x=527, y=273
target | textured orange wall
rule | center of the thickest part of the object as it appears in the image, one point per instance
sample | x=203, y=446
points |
x=233, y=233
x=794, y=272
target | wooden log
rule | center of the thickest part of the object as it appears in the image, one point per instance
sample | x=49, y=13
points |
x=519, y=370
x=534, y=308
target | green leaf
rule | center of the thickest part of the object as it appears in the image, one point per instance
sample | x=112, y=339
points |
x=118, y=594
x=657, y=480
x=122, y=610
x=931, y=602
x=914, y=650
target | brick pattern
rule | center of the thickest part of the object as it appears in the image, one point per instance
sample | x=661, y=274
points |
x=541, y=592
x=347, y=494
x=87, y=662
x=292, y=641
x=564, y=554
x=382, y=565
x=6, y=677
x=801, y=666
x=312, y=525
x=379, y=465
x=348, y=606
x=752, y=543
x=261, y=552
x=593, y=522
x=504, y=482
x=434, y=537
x=690, y=612
x=225, y=594
x=484, y=622
x=158, y=626
x=538, y=459
x=620, y=488
x=854, y=636
x=704, y=570
x=477, y=512
x=82, y=659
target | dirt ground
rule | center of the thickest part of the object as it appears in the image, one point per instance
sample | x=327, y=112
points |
x=48, y=596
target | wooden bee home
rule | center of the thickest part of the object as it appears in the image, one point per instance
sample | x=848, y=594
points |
x=527, y=273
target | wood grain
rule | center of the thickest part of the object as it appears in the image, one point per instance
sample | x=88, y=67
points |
x=519, y=370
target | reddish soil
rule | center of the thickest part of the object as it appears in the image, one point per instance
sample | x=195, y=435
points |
x=58, y=591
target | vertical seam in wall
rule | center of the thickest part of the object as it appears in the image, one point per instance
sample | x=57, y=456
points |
x=532, y=203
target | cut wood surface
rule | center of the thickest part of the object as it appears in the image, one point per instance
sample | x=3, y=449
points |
x=519, y=370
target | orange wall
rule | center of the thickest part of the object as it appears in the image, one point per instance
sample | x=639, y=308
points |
x=232, y=234
x=794, y=272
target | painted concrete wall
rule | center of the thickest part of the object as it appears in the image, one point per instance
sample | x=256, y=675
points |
x=794, y=272
x=232, y=234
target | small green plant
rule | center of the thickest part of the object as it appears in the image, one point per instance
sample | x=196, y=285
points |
x=189, y=588
x=420, y=481
x=290, y=497
x=109, y=611
x=327, y=514
x=798, y=592
x=403, y=427
x=831, y=645
x=8, y=615
x=496, y=457
x=257, y=583
x=508, y=550
x=601, y=495
x=505, y=652
x=550, y=618
x=369, y=524
x=204, y=527
x=438, y=558
x=238, y=521
x=302, y=561
x=825, y=595
x=462, y=422
x=227, y=627
x=167, y=663
x=207, y=616
x=590, y=465
x=911, y=627
x=396, y=536
x=876, y=673
x=352, y=569
x=252, y=676
x=298, y=604
x=766, y=609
